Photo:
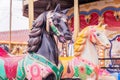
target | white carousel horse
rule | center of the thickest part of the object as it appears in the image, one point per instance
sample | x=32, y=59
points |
x=90, y=42
x=88, y=39
x=84, y=64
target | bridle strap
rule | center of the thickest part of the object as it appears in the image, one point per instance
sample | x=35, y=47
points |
x=50, y=22
x=49, y=15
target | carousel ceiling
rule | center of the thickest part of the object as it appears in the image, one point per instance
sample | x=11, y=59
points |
x=45, y=5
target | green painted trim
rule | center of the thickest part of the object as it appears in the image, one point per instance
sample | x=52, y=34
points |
x=20, y=71
x=89, y=70
x=54, y=68
x=2, y=71
x=76, y=74
x=55, y=30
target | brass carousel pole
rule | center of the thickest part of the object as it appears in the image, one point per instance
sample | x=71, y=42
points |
x=10, y=25
x=31, y=13
x=76, y=19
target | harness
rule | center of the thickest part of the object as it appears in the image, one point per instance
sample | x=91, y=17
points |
x=30, y=58
x=43, y=60
x=50, y=22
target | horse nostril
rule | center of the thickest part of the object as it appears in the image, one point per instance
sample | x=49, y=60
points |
x=68, y=36
x=108, y=45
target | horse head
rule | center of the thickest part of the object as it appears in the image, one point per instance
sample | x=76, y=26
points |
x=98, y=37
x=57, y=20
x=90, y=42
x=50, y=23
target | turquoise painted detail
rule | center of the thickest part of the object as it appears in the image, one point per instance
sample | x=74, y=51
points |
x=31, y=58
x=88, y=70
x=55, y=30
x=2, y=71
x=20, y=70
x=76, y=69
x=43, y=60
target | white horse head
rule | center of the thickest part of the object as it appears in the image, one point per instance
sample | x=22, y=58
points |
x=85, y=47
x=98, y=37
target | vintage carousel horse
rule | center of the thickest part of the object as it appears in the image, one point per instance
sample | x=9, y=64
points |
x=17, y=50
x=85, y=62
x=90, y=41
x=4, y=51
x=41, y=62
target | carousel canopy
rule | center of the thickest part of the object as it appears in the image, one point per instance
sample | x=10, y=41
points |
x=44, y=5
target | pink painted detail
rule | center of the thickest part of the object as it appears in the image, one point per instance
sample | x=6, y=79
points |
x=103, y=72
x=27, y=70
x=37, y=71
x=93, y=30
x=3, y=53
x=78, y=60
x=10, y=64
x=82, y=69
x=92, y=36
x=100, y=71
x=118, y=39
x=49, y=70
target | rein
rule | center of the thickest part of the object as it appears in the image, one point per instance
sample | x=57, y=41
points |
x=43, y=60
x=50, y=22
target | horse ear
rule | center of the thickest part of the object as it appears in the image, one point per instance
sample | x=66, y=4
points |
x=58, y=8
x=65, y=11
x=104, y=26
x=100, y=24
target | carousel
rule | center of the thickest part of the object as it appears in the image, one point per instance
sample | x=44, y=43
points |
x=79, y=43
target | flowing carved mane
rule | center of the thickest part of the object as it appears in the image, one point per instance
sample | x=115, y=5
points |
x=36, y=33
x=79, y=44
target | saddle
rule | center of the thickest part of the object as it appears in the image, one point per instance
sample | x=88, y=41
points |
x=10, y=63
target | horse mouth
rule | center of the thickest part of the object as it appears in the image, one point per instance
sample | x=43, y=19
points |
x=62, y=39
x=68, y=36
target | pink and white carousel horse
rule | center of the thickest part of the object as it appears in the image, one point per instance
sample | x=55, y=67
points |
x=90, y=42
x=84, y=65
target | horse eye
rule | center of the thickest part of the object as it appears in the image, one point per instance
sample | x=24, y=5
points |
x=55, y=22
x=65, y=20
x=98, y=34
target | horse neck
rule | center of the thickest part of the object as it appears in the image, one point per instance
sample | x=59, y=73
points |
x=48, y=47
x=90, y=53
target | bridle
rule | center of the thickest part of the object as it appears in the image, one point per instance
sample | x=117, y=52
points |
x=50, y=23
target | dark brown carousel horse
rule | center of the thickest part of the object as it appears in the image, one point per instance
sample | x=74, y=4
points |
x=42, y=40
x=41, y=62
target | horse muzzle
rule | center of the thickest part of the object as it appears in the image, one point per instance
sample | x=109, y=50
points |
x=68, y=36
x=108, y=46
